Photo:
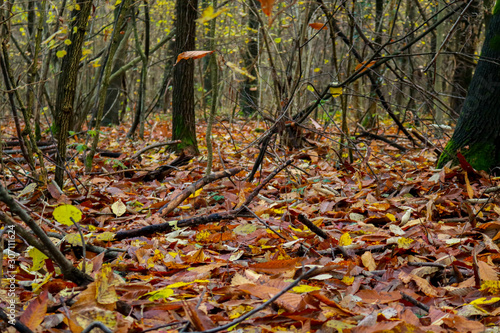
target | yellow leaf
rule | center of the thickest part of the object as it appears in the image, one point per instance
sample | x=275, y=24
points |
x=493, y=287
x=36, y=286
x=106, y=236
x=404, y=243
x=64, y=213
x=202, y=235
x=238, y=70
x=277, y=40
x=349, y=280
x=74, y=239
x=391, y=217
x=485, y=300
x=61, y=53
x=196, y=193
x=304, y=289
x=345, y=239
x=118, y=208
x=38, y=258
x=310, y=88
x=336, y=92
x=160, y=294
x=209, y=14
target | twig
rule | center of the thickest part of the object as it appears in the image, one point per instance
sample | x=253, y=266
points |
x=168, y=226
x=427, y=264
x=154, y=145
x=414, y=302
x=84, y=247
x=305, y=221
x=264, y=305
x=20, y=327
x=194, y=187
x=95, y=324
x=382, y=138
x=265, y=223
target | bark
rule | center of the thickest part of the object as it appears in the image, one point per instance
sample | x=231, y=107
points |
x=476, y=136
x=183, y=115
x=112, y=102
x=250, y=96
x=66, y=87
x=466, y=43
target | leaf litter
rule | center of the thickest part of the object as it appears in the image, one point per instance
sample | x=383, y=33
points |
x=404, y=247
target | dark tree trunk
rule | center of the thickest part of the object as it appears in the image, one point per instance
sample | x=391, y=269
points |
x=112, y=104
x=249, y=94
x=477, y=135
x=66, y=86
x=466, y=43
x=183, y=116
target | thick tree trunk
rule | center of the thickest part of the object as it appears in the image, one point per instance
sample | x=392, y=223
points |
x=183, y=116
x=66, y=86
x=477, y=136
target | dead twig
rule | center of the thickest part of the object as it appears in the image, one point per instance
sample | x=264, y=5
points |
x=413, y=301
x=305, y=221
x=264, y=305
x=154, y=145
x=191, y=189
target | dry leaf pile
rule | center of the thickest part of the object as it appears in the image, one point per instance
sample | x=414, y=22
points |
x=403, y=247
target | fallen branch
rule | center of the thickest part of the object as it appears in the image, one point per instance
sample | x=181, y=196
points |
x=155, y=145
x=191, y=189
x=45, y=245
x=382, y=138
x=171, y=225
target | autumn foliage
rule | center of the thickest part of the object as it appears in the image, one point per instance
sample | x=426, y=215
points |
x=404, y=247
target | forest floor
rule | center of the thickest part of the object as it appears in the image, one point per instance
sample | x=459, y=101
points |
x=394, y=245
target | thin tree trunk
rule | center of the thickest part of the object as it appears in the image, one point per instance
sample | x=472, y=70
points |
x=183, y=115
x=66, y=86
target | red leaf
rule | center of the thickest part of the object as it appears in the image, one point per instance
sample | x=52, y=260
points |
x=267, y=6
x=464, y=164
x=318, y=26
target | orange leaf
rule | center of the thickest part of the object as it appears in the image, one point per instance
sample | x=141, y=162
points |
x=35, y=312
x=192, y=55
x=267, y=6
x=363, y=64
x=318, y=26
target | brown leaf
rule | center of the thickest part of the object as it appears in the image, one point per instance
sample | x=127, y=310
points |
x=368, y=261
x=35, y=311
x=192, y=55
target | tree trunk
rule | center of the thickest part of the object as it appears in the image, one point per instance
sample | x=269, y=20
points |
x=466, y=43
x=66, y=87
x=477, y=136
x=249, y=95
x=183, y=116
x=112, y=104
